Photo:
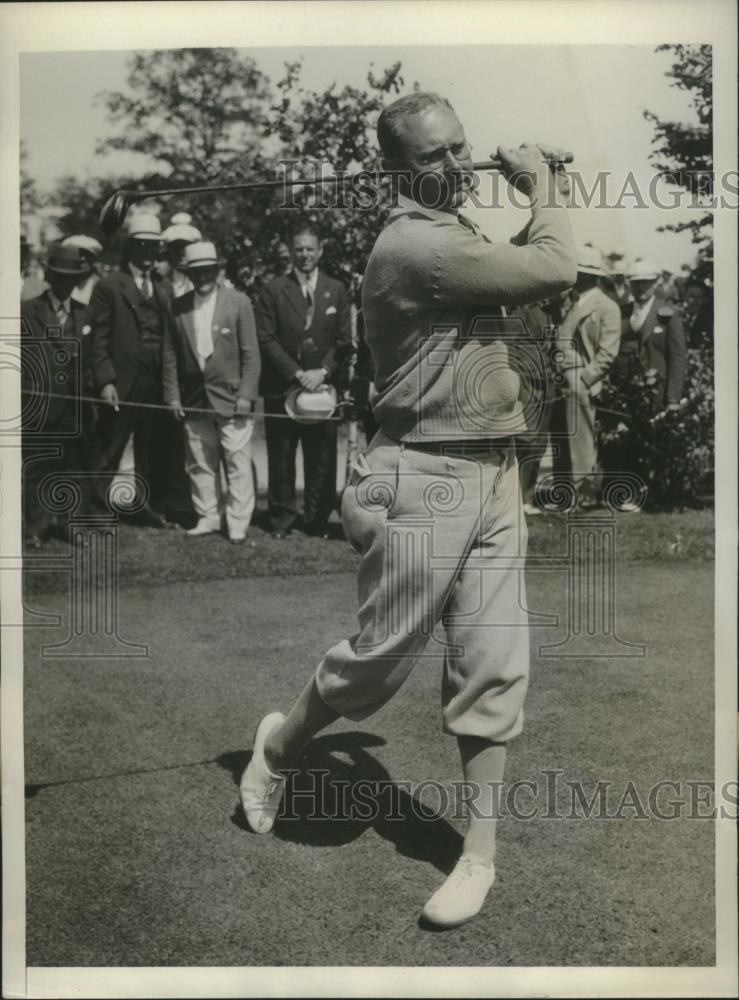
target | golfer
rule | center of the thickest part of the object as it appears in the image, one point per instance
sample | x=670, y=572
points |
x=434, y=507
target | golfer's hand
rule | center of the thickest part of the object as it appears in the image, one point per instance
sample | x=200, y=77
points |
x=244, y=407
x=176, y=410
x=526, y=169
x=109, y=395
x=312, y=379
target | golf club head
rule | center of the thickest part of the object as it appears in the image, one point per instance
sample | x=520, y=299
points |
x=114, y=211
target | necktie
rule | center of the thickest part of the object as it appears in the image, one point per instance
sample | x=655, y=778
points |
x=147, y=289
x=61, y=313
x=467, y=223
x=309, y=312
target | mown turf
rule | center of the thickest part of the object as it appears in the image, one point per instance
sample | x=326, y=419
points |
x=151, y=556
x=137, y=853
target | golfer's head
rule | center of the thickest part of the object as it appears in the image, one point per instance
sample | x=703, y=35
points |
x=421, y=137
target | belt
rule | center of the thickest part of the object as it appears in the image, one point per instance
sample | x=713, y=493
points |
x=460, y=447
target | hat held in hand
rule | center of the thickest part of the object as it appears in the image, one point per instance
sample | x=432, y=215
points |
x=311, y=407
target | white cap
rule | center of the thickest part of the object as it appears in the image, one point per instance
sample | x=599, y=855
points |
x=142, y=226
x=201, y=254
x=590, y=261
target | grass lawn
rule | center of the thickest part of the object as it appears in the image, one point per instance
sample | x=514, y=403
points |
x=137, y=853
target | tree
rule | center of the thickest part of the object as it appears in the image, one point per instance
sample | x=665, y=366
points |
x=211, y=115
x=684, y=150
x=29, y=200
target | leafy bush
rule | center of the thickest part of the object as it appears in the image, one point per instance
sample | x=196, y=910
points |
x=673, y=452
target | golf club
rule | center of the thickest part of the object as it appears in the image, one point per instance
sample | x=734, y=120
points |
x=115, y=209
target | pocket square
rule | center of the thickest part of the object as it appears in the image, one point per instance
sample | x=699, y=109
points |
x=331, y=310
x=225, y=329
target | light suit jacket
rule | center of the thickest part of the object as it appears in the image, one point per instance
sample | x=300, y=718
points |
x=232, y=370
x=589, y=337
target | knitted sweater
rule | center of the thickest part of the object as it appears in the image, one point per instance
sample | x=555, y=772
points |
x=443, y=356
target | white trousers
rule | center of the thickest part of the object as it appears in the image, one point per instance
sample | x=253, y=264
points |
x=210, y=438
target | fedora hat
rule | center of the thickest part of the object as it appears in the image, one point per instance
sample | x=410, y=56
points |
x=86, y=243
x=590, y=261
x=143, y=226
x=66, y=260
x=311, y=407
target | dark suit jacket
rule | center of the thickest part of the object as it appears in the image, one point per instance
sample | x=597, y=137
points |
x=232, y=370
x=116, y=327
x=52, y=359
x=661, y=345
x=286, y=346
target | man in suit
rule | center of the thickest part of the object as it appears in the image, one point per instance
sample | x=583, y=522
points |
x=588, y=340
x=304, y=329
x=654, y=332
x=53, y=326
x=178, y=235
x=129, y=312
x=211, y=361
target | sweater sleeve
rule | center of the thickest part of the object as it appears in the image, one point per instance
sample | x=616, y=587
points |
x=466, y=269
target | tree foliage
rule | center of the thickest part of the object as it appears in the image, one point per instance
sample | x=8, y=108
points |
x=684, y=150
x=211, y=116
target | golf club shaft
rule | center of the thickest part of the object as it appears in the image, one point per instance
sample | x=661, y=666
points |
x=288, y=182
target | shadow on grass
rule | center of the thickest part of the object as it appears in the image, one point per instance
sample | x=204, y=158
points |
x=332, y=800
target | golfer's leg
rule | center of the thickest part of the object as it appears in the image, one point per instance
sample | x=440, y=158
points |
x=486, y=678
x=483, y=764
x=308, y=716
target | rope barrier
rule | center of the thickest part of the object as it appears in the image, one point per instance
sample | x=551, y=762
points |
x=165, y=407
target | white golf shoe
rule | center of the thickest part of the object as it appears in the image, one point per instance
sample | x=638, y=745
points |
x=260, y=789
x=461, y=897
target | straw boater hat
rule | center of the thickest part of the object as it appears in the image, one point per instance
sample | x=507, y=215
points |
x=643, y=270
x=143, y=226
x=311, y=407
x=590, y=261
x=181, y=229
x=202, y=254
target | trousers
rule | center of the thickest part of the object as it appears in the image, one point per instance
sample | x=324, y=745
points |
x=208, y=438
x=442, y=540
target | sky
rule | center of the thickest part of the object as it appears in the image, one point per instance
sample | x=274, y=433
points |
x=586, y=98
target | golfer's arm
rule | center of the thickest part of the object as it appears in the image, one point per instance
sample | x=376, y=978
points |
x=466, y=269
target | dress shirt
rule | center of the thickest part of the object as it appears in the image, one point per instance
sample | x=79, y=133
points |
x=202, y=316
x=141, y=279
x=640, y=314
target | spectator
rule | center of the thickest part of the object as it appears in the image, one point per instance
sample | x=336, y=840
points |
x=51, y=376
x=697, y=311
x=89, y=250
x=589, y=340
x=541, y=322
x=304, y=327
x=654, y=333
x=178, y=236
x=129, y=310
x=211, y=361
